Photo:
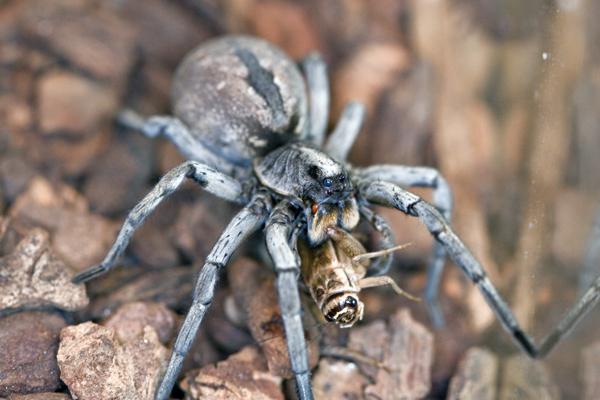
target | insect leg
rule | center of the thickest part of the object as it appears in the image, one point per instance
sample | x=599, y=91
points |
x=213, y=181
x=246, y=222
x=277, y=234
x=176, y=132
x=393, y=196
x=375, y=281
x=342, y=138
x=406, y=176
x=315, y=70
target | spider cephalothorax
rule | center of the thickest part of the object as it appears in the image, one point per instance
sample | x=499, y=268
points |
x=253, y=131
x=322, y=184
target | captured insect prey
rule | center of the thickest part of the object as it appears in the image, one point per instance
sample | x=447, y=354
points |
x=252, y=126
x=335, y=272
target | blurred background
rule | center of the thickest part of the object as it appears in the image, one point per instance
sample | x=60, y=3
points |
x=502, y=96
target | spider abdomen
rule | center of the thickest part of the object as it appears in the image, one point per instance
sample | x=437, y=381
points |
x=241, y=97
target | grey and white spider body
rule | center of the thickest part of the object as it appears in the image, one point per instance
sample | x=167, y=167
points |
x=253, y=130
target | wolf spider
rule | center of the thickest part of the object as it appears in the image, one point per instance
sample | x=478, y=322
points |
x=242, y=119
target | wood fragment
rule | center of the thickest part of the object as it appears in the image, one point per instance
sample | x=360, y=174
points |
x=336, y=379
x=526, y=379
x=591, y=371
x=405, y=348
x=243, y=375
x=476, y=376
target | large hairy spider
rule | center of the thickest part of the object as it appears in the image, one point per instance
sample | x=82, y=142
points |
x=244, y=123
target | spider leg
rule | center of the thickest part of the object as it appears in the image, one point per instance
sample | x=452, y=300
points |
x=442, y=198
x=342, y=138
x=285, y=259
x=246, y=222
x=315, y=71
x=177, y=132
x=382, y=265
x=213, y=181
x=393, y=196
x=591, y=262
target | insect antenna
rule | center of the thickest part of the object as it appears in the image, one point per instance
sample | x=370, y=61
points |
x=375, y=254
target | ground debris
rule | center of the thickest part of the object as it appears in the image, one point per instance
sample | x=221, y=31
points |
x=476, y=376
x=336, y=379
x=89, y=37
x=69, y=103
x=29, y=342
x=591, y=371
x=130, y=320
x=526, y=379
x=79, y=237
x=405, y=349
x=96, y=365
x=32, y=276
x=243, y=375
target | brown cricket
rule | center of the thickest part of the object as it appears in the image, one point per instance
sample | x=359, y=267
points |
x=335, y=273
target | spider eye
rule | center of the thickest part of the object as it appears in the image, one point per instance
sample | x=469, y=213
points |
x=327, y=182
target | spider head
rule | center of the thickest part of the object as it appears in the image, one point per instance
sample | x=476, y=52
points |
x=330, y=195
x=328, y=183
x=345, y=309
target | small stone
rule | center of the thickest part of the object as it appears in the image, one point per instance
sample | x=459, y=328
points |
x=96, y=365
x=70, y=103
x=405, y=350
x=33, y=277
x=243, y=375
x=476, y=376
x=338, y=380
x=526, y=379
x=130, y=319
x=28, y=357
x=591, y=371
x=79, y=237
x=15, y=175
x=370, y=340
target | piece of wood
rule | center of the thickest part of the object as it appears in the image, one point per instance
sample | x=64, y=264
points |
x=476, y=376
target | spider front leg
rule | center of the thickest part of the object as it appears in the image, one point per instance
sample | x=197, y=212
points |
x=393, y=196
x=246, y=222
x=406, y=176
x=287, y=269
x=210, y=179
